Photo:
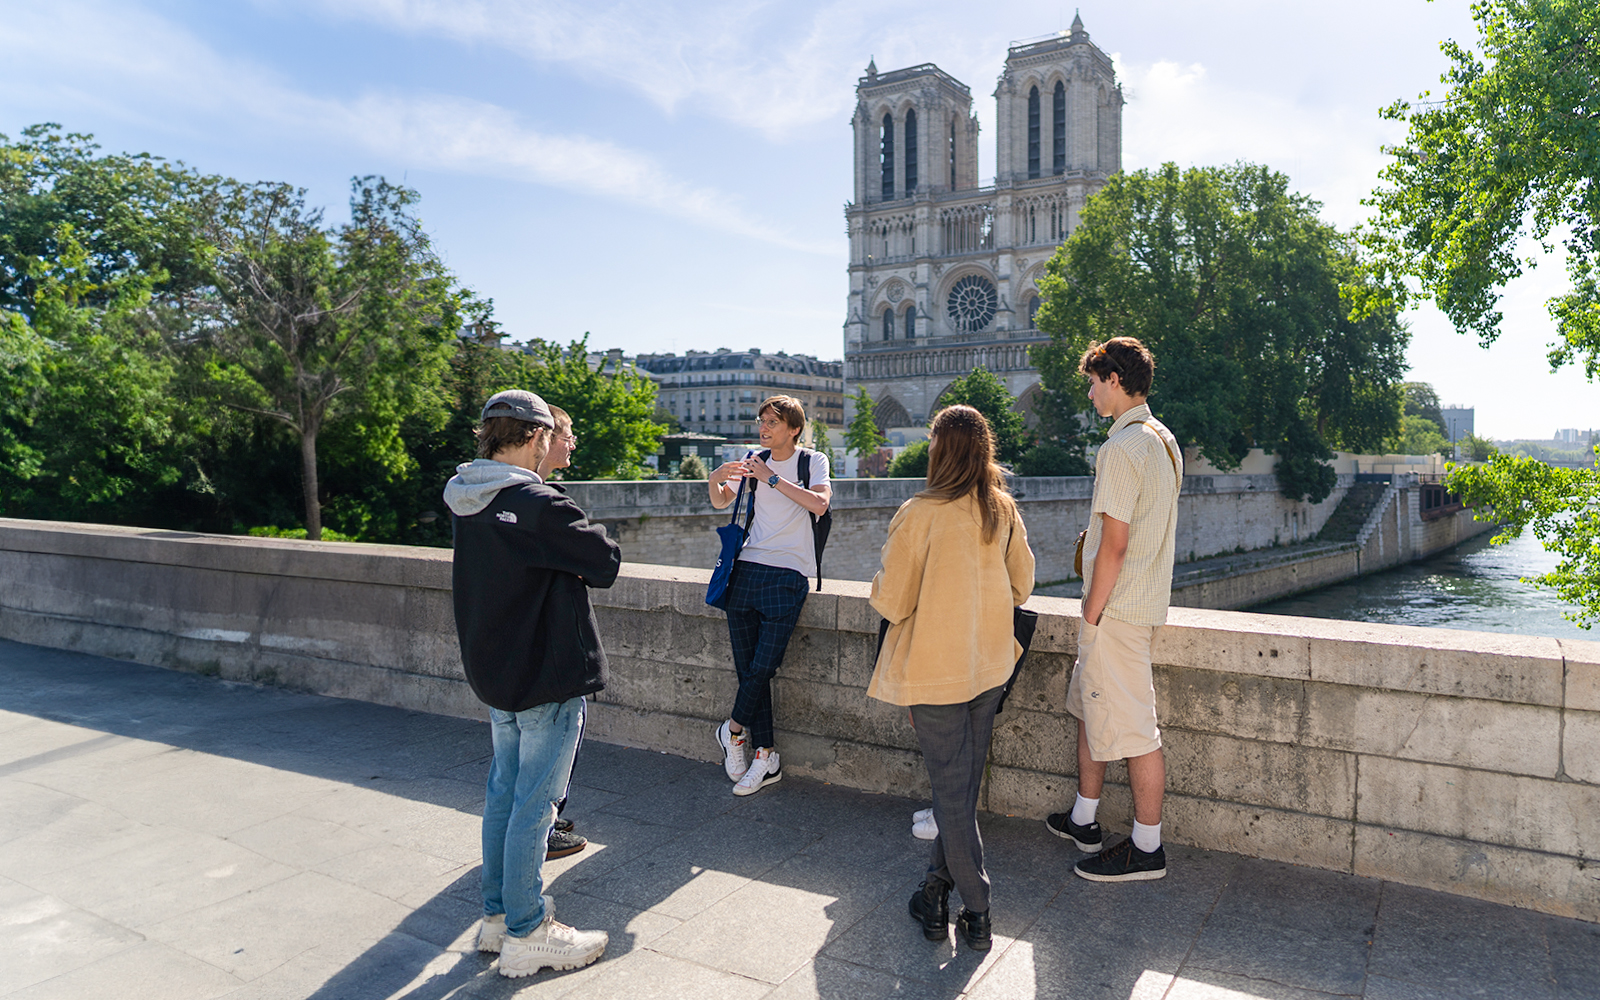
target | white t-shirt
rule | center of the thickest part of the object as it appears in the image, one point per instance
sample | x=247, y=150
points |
x=781, y=534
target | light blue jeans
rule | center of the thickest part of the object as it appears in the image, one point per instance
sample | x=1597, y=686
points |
x=533, y=753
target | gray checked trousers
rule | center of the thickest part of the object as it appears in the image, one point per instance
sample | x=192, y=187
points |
x=955, y=747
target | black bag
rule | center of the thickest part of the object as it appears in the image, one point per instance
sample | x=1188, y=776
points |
x=1023, y=623
x=820, y=526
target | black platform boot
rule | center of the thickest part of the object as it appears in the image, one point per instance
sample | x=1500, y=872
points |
x=930, y=906
x=974, y=927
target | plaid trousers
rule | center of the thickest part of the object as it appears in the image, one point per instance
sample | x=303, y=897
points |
x=764, y=602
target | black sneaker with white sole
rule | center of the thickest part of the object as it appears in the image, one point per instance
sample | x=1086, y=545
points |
x=1088, y=836
x=1124, y=863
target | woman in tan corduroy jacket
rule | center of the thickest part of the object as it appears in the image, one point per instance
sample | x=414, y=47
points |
x=955, y=564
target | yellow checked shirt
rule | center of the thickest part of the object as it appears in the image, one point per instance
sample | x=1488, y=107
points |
x=1135, y=481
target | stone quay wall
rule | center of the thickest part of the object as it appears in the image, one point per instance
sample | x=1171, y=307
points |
x=1460, y=761
x=672, y=523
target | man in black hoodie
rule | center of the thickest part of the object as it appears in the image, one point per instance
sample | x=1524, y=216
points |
x=524, y=558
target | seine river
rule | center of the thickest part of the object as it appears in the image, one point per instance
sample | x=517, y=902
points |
x=1473, y=586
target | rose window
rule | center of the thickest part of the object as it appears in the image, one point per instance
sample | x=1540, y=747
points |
x=972, y=304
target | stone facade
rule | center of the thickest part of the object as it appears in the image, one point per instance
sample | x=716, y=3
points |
x=718, y=392
x=944, y=272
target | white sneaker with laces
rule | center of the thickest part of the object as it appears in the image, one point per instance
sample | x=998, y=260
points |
x=493, y=929
x=925, y=828
x=733, y=750
x=922, y=814
x=552, y=945
x=763, y=771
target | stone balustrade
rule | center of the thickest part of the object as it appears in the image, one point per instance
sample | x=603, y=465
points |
x=1460, y=761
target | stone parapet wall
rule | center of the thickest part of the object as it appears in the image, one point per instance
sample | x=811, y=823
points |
x=1459, y=761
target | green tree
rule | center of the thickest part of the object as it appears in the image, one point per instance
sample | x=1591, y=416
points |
x=1047, y=458
x=320, y=328
x=862, y=438
x=691, y=467
x=1421, y=401
x=1513, y=146
x=1269, y=327
x=1418, y=436
x=982, y=390
x=612, y=412
x=1477, y=449
x=1561, y=505
x=912, y=463
x=821, y=442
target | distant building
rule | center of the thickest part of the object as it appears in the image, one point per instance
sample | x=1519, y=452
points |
x=1572, y=435
x=718, y=392
x=1457, y=422
x=944, y=271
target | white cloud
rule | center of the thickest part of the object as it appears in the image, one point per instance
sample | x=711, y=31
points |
x=143, y=60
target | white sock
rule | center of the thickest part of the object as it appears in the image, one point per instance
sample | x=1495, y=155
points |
x=1083, y=810
x=1146, y=838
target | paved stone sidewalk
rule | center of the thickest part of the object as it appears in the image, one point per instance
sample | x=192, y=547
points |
x=170, y=836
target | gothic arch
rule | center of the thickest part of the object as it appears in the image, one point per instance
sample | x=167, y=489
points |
x=890, y=412
x=1027, y=404
x=939, y=401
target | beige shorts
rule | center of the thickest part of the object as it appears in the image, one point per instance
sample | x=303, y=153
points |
x=1112, y=690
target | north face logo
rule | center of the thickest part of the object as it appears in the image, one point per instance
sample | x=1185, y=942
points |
x=507, y=516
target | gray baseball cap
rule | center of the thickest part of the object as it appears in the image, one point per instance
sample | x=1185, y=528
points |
x=519, y=404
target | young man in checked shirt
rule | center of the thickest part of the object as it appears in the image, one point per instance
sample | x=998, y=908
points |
x=1127, y=584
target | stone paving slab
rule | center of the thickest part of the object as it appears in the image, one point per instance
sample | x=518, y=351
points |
x=164, y=835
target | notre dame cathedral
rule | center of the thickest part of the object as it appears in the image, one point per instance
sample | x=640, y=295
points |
x=943, y=271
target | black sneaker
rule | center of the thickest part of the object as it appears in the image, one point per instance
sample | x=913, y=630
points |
x=1123, y=863
x=974, y=929
x=930, y=906
x=563, y=824
x=1088, y=838
x=563, y=843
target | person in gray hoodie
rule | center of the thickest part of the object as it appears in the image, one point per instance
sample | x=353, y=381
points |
x=525, y=556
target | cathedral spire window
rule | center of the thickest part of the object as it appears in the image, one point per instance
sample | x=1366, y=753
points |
x=911, y=152
x=886, y=157
x=1058, y=126
x=1033, y=132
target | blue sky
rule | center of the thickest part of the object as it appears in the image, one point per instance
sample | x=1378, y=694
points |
x=671, y=175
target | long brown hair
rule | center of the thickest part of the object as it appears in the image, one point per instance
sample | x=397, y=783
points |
x=961, y=461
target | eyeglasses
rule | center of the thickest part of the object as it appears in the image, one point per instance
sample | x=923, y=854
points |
x=1104, y=355
x=570, y=438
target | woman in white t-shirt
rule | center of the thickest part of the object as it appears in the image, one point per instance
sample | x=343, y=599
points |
x=770, y=580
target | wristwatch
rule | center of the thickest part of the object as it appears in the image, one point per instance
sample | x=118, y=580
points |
x=772, y=480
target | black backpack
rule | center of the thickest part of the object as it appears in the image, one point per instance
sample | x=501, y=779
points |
x=820, y=526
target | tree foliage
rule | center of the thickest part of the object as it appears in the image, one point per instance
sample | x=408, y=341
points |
x=912, y=463
x=1268, y=326
x=1512, y=148
x=1419, y=400
x=1418, y=436
x=982, y=390
x=862, y=437
x=1561, y=505
x=166, y=337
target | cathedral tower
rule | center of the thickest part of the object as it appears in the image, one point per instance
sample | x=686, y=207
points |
x=943, y=271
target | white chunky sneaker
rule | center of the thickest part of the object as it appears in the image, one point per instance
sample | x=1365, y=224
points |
x=925, y=828
x=493, y=929
x=733, y=750
x=552, y=945
x=922, y=814
x=763, y=771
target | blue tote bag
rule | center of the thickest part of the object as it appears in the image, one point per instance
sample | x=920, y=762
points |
x=733, y=535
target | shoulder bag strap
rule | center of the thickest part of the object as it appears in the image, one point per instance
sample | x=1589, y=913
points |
x=1168, y=449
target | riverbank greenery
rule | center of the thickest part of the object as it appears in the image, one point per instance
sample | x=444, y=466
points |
x=1269, y=326
x=1511, y=149
x=1561, y=506
x=189, y=351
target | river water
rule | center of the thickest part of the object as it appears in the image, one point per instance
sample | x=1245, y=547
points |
x=1473, y=586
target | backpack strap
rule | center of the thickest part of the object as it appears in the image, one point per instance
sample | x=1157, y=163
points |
x=804, y=472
